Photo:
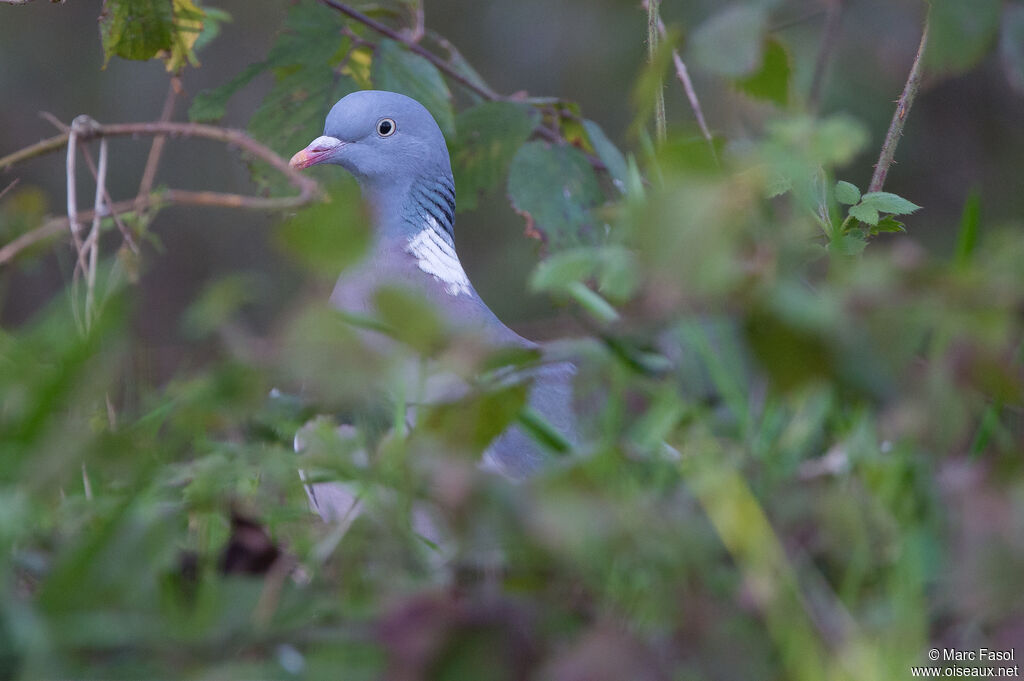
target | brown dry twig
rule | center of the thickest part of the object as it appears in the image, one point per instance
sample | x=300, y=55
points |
x=308, y=189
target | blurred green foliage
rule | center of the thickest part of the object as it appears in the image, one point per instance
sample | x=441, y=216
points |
x=803, y=453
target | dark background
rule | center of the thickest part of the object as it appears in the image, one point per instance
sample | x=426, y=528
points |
x=964, y=133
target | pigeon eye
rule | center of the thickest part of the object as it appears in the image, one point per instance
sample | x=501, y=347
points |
x=386, y=127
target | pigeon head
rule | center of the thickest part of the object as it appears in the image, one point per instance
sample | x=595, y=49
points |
x=379, y=137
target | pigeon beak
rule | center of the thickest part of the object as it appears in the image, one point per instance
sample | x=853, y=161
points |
x=317, y=152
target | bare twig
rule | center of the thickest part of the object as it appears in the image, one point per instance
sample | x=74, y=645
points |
x=478, y=88
x=93, y=242
x=906, y=100
x=126, y=233
x=308, y=188
x=441, y=64
x=825, y=51
x=653, y=19
x=12, y=185
x=157, y=148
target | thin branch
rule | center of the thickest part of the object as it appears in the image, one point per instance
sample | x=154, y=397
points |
x=825, y=50
x=126, y=233
x=155, y=151
x=441, y=64
x=906, y=100
x=308, y=188
x=653, y=19
x=12, y=185
x=446, y=68
x=683, y=74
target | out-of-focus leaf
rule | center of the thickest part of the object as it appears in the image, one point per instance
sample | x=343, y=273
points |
x=330, y=235
x=614, y=267
x=730, y=43
x=1011, y=45
x=218, y=302
x=489, y=135
x=473, y=422
x=960, y=33
x=209, y=105
x=212, y=20
x=555, y=188
x=397, y=69
x=188, y=25
x=886, y=202
x=136, y=29
x=609, y=154
x=852, y=243
x=847, y=193
x=411, y=318
x=771, y=82
x=967, y=236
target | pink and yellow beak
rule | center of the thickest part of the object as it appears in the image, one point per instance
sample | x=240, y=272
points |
x=316, y=152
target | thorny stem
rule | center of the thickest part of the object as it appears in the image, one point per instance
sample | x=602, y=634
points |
x=899, y=117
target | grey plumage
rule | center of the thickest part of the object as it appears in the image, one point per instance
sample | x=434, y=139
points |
x=394, y=148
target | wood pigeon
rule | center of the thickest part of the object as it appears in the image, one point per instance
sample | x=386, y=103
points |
x=396, y=151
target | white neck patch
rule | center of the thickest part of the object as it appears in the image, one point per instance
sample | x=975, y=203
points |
x=436, y=257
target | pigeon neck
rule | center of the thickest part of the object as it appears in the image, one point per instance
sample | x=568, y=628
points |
x=406, y=209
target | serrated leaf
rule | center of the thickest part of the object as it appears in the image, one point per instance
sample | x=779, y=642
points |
x=960, y=33
x=771, y=82
x=609, y=154
x=886, y=202
x=729, y=43
x=888, y=224
x=851, y=244
x=555, y=189
x=136, y=29
x=488, y=137
x=847, y=193
x=1011, y=45
x=865, y=213
x=210, y=105
x=397, y=69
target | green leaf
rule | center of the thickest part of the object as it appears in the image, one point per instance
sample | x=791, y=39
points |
x=847, y=193
x=852, y=243
x=888, y=224
x=771, y=82
x=397, y=69
x=1011, y=45
x=410, y=317
x=614, y=267
x=555, y=188
x=488, y=137
x=967, y=236
x=885, y=202
x=865, y=213
x=210, y=105
x=609, y=154
x=473, y=422
x=960, y=33
x=136, y=29
x=330, y=235
x=729, y=43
